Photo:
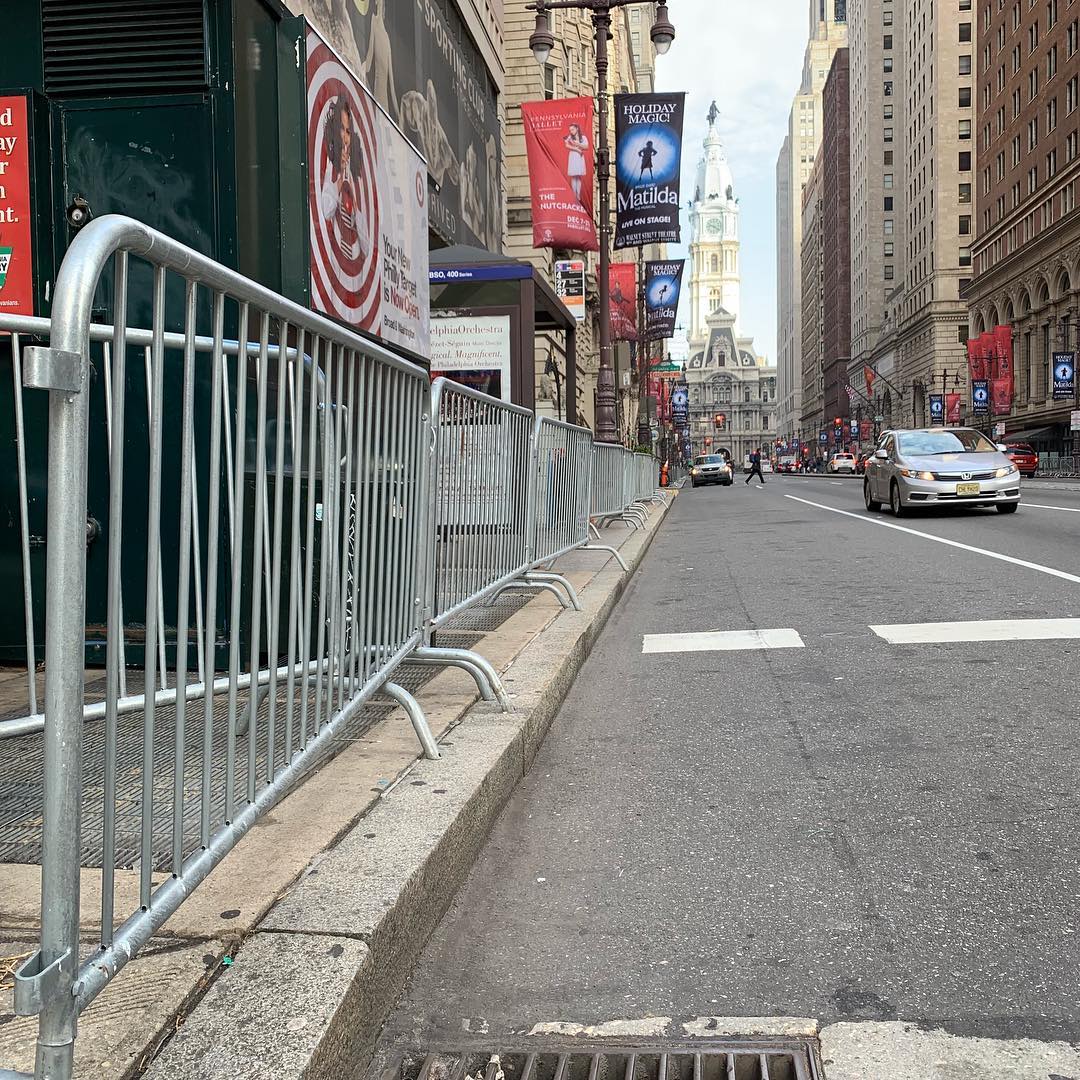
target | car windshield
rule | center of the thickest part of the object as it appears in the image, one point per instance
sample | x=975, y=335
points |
x=710, y=459
x=929, y=443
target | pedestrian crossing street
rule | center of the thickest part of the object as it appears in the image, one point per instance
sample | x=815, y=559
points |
x=927, y=633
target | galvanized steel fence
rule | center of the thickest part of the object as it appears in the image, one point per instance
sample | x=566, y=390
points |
x=288, y=513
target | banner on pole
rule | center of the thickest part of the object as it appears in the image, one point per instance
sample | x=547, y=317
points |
x=663, y=284
x=622, y=292
x=869, y=374
x=1001, y=396
x=937, y=409
x=980, y=397
x=1064, y=376
x=952, y=408
x=558, y=142
x=648, y=152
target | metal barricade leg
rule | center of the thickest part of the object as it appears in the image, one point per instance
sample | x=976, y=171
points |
x=482, y=671
x=540, y=578
x=416, y=716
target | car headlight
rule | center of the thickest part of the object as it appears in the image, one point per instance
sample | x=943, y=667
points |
x=1006, y=470
x=694, y=472
x=914, y=474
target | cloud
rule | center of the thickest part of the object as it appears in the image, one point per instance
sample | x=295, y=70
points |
x=749, y=59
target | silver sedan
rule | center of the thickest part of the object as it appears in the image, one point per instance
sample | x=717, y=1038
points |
x=939, y=467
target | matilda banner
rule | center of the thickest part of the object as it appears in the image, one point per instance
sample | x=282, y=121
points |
x=622, y=282
x=663, y=283
x=648, y=149
x=558, y=141
x=980, y=396
x=367, y=207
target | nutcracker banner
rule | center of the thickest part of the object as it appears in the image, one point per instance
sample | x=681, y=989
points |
x=663, y=283
x=622, y=289
x=558, y=142
x=648, y=152
x=952, y=408
x=1001, y=395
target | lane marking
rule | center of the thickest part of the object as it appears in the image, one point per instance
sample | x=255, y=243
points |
x=722, y=641
x=1051, y=570
x=1044, y=506
x=979, y=630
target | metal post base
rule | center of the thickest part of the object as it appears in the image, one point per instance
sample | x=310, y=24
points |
x=483, y=672
x=547, y=586
x=416, y=716
x=613, y=552
x=556, y=579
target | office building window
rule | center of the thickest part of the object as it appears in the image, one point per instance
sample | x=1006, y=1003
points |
x=965, y=64
x=965, y=161
x=965, y=131
x=965, y=193
x=965, y=31
x=965, y=256
x=965, y=225
x=888, y=202
x=965, y=97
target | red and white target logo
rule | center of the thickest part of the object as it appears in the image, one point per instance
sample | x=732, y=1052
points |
x=343, y=160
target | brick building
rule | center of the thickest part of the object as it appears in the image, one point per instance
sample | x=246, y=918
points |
x=1026, y=251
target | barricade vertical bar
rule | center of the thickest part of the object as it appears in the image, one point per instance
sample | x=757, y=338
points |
x=360, y=516
x=183, y=587
x=213, y=524
x=114, y=658
x=381, y=510
x=325, y=554
x=24, y=522
x=309, y=557
x=153, y=583
x=295, y=564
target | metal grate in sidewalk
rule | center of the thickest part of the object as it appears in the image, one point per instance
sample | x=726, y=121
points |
x=749, y=1059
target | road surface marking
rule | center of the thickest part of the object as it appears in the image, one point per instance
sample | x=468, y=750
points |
x=1043, y=506
x=981, y=630
x=722, y=641
x=866, y=520
x=838, y=483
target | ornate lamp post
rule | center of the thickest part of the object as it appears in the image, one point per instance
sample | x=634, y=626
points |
x=542, y=42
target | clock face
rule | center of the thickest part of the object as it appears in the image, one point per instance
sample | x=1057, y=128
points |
x=713, y=225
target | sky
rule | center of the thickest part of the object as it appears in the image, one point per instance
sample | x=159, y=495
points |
x=748, y=57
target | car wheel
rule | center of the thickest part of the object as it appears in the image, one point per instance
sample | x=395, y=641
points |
x=1008, y=508
x=872, y=504
x=896, y=503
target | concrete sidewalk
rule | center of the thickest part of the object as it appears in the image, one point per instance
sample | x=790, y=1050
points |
x=360, y=861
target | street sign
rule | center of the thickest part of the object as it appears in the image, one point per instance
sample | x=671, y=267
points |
x=999, y=430
x=570, y=286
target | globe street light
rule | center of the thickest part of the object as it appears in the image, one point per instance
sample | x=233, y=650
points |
x=541, y=42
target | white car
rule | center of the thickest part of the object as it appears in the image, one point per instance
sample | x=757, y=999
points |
x=839, y=463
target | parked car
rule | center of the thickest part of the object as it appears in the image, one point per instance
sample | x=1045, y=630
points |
x=786, y=463
x=841, y=463
x=710, y=469
x=1023, y=457
x=860, y=461
x=939, y=466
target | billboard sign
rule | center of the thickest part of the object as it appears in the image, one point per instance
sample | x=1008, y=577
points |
x=1064, y=376
x=367, y=199
x=428, y=76
x=473, y=351
x=648, y=152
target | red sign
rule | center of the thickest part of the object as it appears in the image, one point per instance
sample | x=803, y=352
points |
x=869, y=375
x=866, y=431
x=1001, y=395
x=622, y=279
x=558, y=141
x=1003, y=351
x=976, y=359
x=16, y=246
x=952, y=408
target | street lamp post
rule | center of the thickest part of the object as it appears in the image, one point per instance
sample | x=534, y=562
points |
x=542, y=42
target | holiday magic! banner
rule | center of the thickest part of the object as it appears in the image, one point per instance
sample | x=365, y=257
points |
x=663, y=283
x=648, y=150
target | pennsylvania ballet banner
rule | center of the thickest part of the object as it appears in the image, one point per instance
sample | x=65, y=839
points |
x=663, y=283
x=558, y=141
x=622, y=292
x=648, y=151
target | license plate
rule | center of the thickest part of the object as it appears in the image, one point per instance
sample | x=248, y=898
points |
x=967, y=489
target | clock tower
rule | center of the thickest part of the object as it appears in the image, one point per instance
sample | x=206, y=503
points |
x=714, y=239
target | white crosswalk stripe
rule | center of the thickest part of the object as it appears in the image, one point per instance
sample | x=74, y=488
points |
x=981, y=630
x=722, y=641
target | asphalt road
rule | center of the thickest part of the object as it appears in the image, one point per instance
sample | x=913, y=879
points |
x=849, y=830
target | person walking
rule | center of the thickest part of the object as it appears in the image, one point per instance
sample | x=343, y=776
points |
x=755, y=467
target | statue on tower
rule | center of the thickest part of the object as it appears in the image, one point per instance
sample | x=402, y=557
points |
x=714, y=112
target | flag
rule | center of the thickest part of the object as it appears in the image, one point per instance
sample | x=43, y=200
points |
x=663, y=283
x=648, y=153
x=558, y=142
x=869, y=374
x=622, y=287
x=1001, y=394
x=952, y=408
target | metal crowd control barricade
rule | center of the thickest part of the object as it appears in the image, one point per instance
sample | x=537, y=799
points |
x=298, y=569
x=611, y=487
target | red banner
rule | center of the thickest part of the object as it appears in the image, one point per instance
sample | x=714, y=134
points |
x=1003, y=352
x=16, y=248
x=622, y=282
x=866, y=430
x=986, y=351
x=952, y=408
x=869, y=375
x=1001, y=396
x=558, y=140
x=976, y=359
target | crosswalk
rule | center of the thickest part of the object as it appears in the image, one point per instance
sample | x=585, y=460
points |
x=927, y=633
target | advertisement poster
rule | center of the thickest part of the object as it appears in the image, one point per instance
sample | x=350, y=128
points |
x=937, y=408
x=680, y=405
x=866, y=430
x=980, y=397
x=558, y=142
x=367, y=194
x=622, y=280
x=952, y=408
x=16, y=250
x=422, y=67
x=570, y=285
x=663, y=284
x=1003, y=352
x=976, y=360
x=1064, y=376
x=648, y=150
x=473, y=351
x=1001, y=396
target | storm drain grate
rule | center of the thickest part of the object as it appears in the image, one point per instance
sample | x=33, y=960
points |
x=750, y=1059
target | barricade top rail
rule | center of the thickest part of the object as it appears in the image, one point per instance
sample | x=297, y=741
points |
x=442, y=386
